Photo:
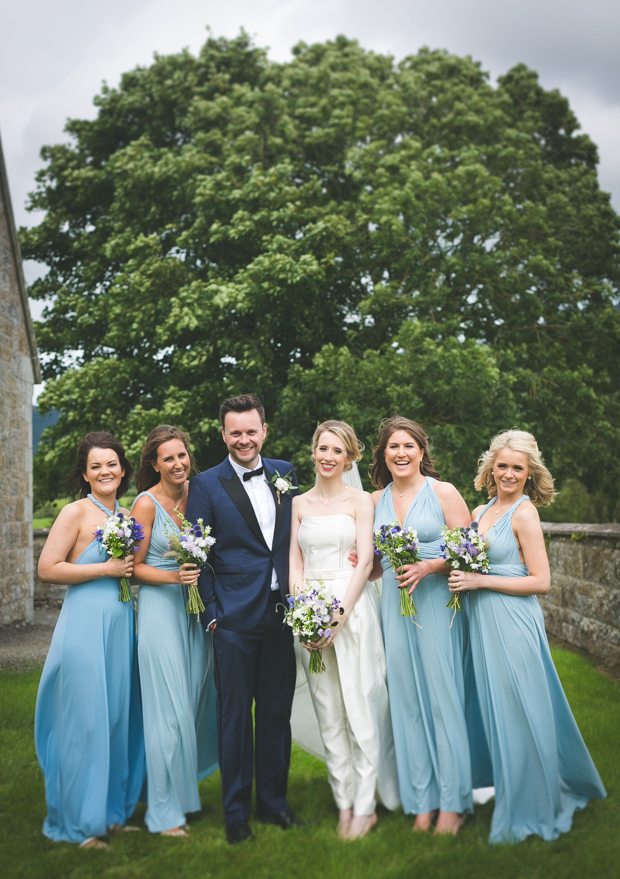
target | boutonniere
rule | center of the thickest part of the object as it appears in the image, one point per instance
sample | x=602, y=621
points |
x=282, y=484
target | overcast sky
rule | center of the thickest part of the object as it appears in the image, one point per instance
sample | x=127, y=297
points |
x=54, y=56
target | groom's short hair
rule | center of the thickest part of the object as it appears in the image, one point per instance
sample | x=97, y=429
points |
x=243, y=403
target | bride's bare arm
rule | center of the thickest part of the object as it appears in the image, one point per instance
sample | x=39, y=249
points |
x=296, y=562
x=364, y=518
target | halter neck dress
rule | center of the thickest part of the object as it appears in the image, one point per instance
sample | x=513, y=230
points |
x=88, y=718
x=426, y=671
x=175, y=656
x=541, y=767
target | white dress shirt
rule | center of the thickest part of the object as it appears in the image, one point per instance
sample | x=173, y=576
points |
x=263, y=505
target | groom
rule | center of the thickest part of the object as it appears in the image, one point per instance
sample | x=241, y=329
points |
x=250, y=519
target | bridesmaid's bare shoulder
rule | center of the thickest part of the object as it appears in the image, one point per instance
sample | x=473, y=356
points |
x=376, y=495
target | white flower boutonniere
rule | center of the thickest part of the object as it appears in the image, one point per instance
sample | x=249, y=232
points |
x=282, y=484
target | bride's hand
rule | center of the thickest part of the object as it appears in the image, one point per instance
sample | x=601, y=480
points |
x=463, y=581
x=335, y=627
x=412, y=574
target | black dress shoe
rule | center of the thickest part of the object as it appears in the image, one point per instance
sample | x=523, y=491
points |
x=286, y=820
x=238, y=832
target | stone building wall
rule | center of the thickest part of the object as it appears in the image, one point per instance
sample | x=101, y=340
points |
x=43, y=591
x=583, y=605
x=19, y=369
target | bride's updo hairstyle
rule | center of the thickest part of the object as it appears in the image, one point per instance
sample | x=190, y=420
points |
x=380, y=476
x=345, y=433
x=539, y=485
x=100, y=439
x=147, y=476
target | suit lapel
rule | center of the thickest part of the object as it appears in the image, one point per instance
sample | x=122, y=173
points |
x=269, y=473
x=239, y=496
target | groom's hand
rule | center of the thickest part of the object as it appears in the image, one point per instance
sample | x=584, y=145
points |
x=353, y=559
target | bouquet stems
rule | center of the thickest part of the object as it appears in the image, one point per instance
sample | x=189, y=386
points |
x=455, y=604
x=316, y=664
x=407, y=607
x=124, y=592
x=194, y=601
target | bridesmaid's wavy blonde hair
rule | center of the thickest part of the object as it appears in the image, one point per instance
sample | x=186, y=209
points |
x=345, y=433
x=539, y=486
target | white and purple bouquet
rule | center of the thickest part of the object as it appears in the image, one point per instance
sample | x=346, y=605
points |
x=400, y=546
x=190, y=546
x=119, y=536
x=465, y=550
x=309, y=615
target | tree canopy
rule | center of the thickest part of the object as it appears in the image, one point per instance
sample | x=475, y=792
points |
x=346, y=236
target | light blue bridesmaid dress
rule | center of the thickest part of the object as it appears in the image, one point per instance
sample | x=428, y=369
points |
x=175, y=656
x=88, y=719
x=541, y=767
x=425, y=670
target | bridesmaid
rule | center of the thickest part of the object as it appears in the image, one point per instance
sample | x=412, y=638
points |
x=541, y=767
x=350, y=699
x=424, y=665
x=175, y=653
x=88, y=723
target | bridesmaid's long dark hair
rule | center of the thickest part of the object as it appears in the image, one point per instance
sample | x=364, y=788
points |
x=97, y=440
x=380, y=476
x=147, y=476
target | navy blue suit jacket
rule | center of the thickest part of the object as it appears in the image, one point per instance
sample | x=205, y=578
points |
x=236, y=587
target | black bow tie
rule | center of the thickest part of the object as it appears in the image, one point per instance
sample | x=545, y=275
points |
x=252, y=473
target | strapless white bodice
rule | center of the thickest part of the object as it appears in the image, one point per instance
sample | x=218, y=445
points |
x=325, y=543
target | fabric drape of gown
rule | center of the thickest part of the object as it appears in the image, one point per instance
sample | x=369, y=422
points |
x=541, y=766
x=433, y=717
x=175, y=656
x=326, y=542
x=88, y=718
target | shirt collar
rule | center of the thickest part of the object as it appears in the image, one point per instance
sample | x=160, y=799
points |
x=239, y=470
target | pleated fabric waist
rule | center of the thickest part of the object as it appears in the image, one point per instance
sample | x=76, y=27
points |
x=342, y=574
x=516, y=570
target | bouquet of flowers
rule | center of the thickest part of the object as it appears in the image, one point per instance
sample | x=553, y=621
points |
x=400, y=546
x=464, y=550
x=120, y=535
x=190, y=546
x=309, y=615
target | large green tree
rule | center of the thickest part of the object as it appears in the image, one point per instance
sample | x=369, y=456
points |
x=342, y=234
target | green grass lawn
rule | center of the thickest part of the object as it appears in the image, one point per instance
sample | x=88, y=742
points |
x=591, y=850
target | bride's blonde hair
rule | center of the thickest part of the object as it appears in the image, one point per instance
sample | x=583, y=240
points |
x=539, y=486
x=345, y=433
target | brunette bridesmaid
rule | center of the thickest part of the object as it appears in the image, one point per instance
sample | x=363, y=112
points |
x=175, y=653
x=88, y=721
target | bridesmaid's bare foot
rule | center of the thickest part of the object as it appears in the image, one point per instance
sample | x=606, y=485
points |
x=93, y=842
x=449, y=822
x=423, y=821
x=361, y=825
x=344, y=822
x=178, y=832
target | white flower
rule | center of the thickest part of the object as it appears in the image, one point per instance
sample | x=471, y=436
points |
x=282, y=484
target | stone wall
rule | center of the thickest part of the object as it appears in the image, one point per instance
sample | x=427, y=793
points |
x=43, y=591
x=583, y=605
x=18, y=371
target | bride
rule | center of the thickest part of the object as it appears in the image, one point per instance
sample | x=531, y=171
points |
x=350, y=698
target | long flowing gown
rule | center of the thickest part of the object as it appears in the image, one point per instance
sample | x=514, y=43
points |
x=175, y=655
x=88, y=719
x=425, y=670
x=541, y=766
x=353, y=734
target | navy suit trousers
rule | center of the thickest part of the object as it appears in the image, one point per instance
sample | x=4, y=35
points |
x=256, y=666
